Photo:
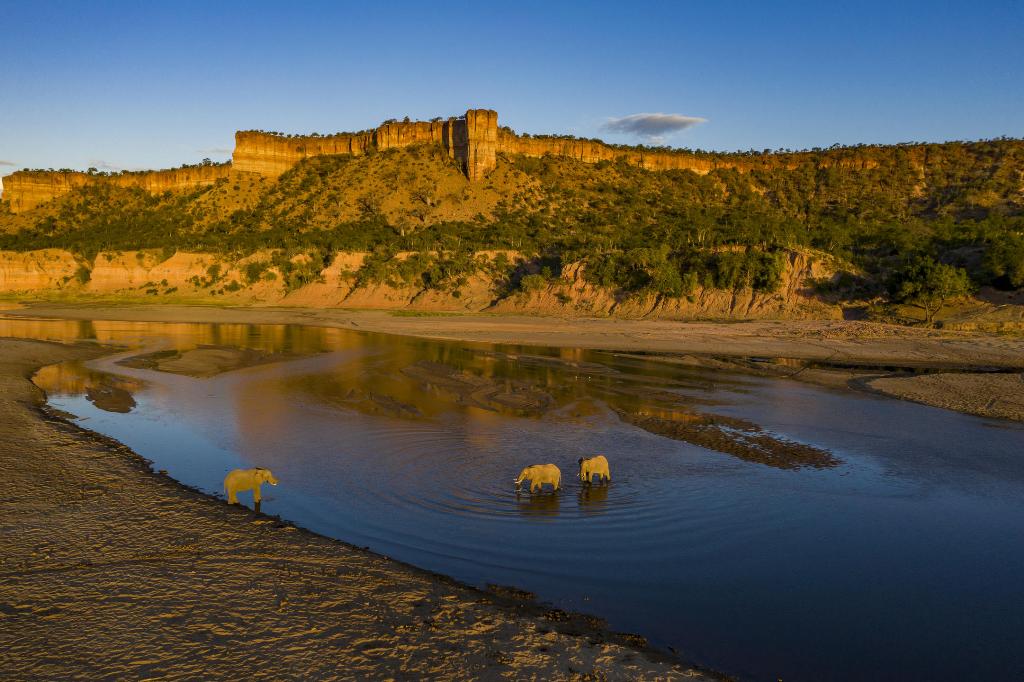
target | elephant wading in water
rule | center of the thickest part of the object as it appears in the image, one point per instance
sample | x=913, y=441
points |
x=539, y=474
x=594, y=466
x=247, y=479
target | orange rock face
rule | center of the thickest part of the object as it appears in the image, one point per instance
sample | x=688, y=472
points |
x=590, y=151
x=482, y=138
x=473, y=141
x=470, y=140
x=27, y=189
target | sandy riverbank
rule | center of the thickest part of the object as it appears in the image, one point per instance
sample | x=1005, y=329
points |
x=986, y=395
x=108, y=570
x=876, y=347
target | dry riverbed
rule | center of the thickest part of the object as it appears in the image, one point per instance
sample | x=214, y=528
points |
x=108, y=570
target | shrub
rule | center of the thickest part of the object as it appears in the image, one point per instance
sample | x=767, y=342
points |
x=253, y=271
x=531, y=283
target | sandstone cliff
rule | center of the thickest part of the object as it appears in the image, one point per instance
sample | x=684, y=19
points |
x=473, y=141
x=45, y=270
x=469, y=140
x=28, y=189
x=195, y=277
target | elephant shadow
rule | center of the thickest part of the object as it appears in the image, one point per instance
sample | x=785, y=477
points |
x=541, y=505
x=593, y=498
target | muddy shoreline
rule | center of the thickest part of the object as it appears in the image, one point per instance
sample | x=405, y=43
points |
x=111, y=569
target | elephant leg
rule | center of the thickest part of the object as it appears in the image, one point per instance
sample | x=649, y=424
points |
x=232, y=497
x=256, y=494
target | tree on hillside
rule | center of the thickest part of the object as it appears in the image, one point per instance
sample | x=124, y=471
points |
x=929, y=285
x=1004, y=261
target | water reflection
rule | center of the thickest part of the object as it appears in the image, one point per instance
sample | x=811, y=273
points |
x=593, y=498
x=106, y=391
x=539, y=505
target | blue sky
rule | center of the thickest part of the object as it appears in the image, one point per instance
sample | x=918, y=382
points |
x=151, y=84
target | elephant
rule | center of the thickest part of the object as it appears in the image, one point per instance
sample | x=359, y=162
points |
x=247, y=479
x=539, y=474
x=594, y=466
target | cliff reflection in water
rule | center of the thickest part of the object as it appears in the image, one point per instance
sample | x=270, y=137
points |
x=414, y=378
x=106, y=391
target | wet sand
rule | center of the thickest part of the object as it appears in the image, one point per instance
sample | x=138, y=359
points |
x=108, y=570
x=856, y=351
x=986, y=395
x=205, y=361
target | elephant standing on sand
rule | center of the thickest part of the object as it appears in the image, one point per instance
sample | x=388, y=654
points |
x=594, y=466
x=539, y=474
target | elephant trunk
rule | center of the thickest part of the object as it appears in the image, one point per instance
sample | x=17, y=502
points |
x=519, y=481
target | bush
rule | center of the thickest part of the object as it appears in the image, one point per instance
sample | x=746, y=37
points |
x=532, y=283
x=253, y=271
x=83, y=274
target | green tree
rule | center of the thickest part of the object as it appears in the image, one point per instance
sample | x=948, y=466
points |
x=929, y=285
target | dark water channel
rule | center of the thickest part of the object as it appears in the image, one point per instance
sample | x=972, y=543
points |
x=762, y=527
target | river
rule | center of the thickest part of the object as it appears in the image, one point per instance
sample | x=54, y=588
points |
x=762, y=527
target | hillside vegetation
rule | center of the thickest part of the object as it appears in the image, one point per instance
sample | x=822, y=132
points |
x=917, y=223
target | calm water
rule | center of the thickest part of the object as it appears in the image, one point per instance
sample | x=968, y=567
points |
x=903, y=559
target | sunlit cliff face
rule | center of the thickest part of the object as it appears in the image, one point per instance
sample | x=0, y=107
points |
x=472, y=141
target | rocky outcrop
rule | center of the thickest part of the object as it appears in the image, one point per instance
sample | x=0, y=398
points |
x=592, y=151
x=47, y=269
x=482, y=142
x=27, y=189
x=470, y=140
x=473, y=141
x=572, y=294
x=193, y=277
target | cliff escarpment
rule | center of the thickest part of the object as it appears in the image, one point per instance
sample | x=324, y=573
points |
x=472, y=141
x=27, y=189
x=468, y=140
